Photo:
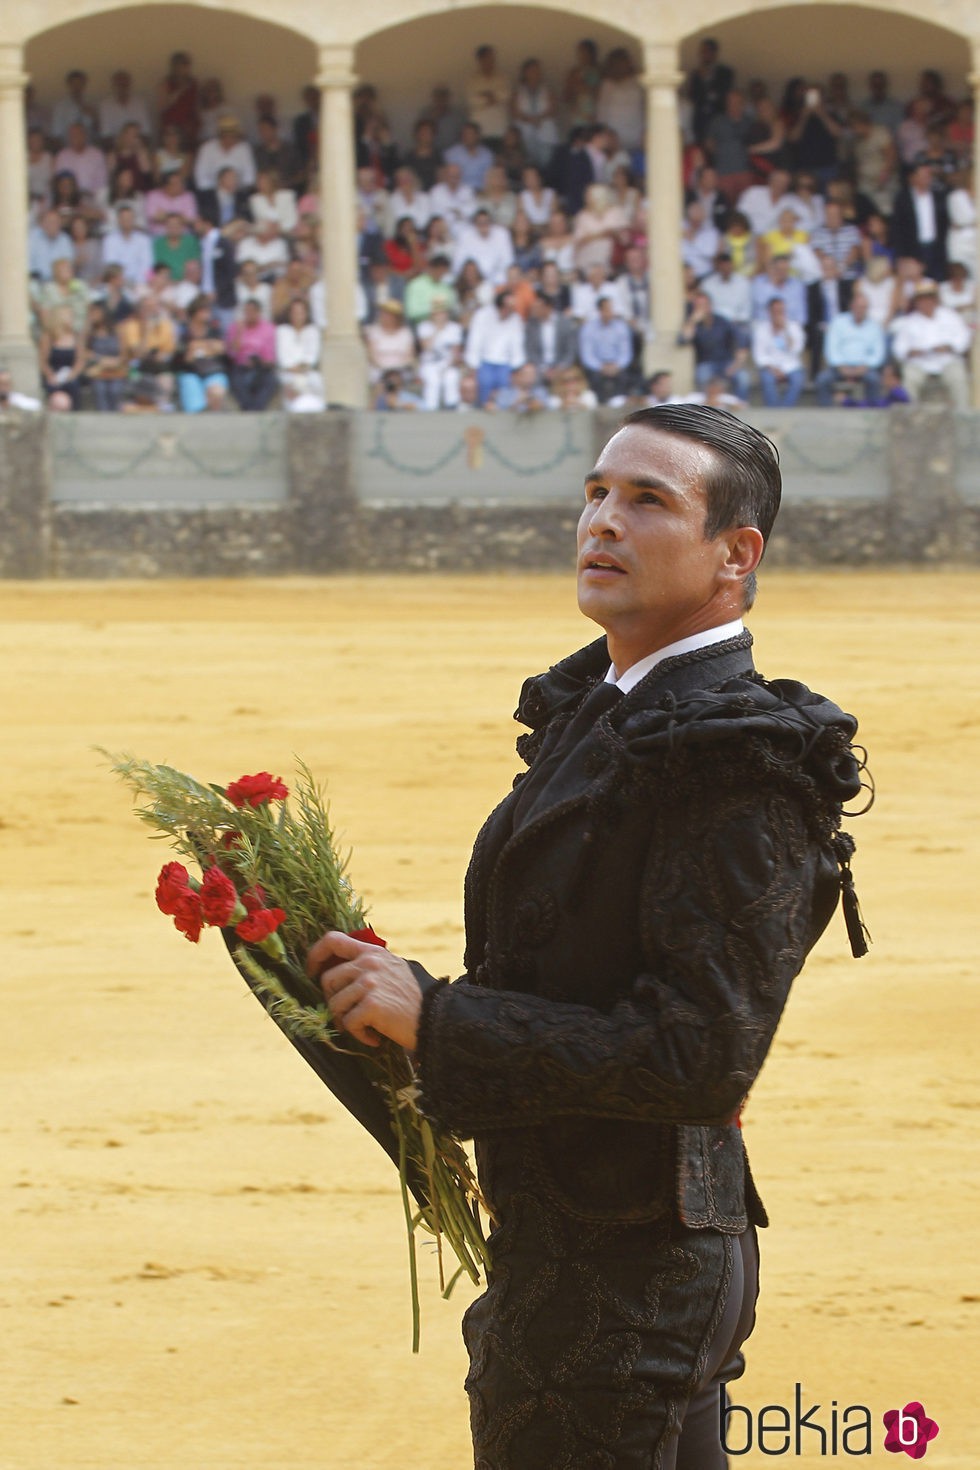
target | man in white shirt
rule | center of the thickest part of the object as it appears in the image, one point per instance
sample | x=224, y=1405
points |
x=406, y=201
x=762, y=204
x=453, y=200
x=489, y=245
x=266, y=248
x=495, y=344
x=731, y=295
x=122, y=106
x=129, y=247
x=777, y=351
x=931, y=341
x=228, y=150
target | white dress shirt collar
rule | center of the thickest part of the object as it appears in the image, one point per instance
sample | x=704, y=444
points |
x=637, y=671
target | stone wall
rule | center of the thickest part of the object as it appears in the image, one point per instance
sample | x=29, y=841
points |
x=860, y=489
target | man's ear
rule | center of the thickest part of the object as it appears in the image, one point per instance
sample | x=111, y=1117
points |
x=745, y=545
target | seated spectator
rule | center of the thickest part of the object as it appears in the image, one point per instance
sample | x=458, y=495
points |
x=554, y=288
x=527, y=251
x=931, y=342
x=660, y=389
x=40, y=167
x=130, y=248
x=275, y=154
x=777, y=351
x=123, y=191
x=875, y=161
x=268, y=250
x=432, y=283
x=172, y=157
x=227, y=202
x=524, y=394
x=890, y=390
x=961, y=238
x=469, y=392
x=488, y=245
x=497, y=197
x=170, y=197
x=394, y=397
x=179, y=296
x=105, y=365
x=495, y=344
x=716, y=395
x=425, y=159
x=762, y=204
x=606, y=351
x=488, y=93
x=854, y=353
x=910, y=135
x=739, y=242
x=558, y=244
x=730, y=295
x=293, y=285
x=717, y=350
x=598, y=229
x=446, y=118
x=521, y=289
x=376, y=150
x=582, y=85
x=407, y=201
x=840, y=241
x=212, y=109
x=131, y=152
x=572, y=391
x=472, y=157
x=533, y=109
x=786, y=239
x=453, y=200
x=272, y=202
x=176, y=246
x=74, y=108
x=627, y=198
x=878, y=288
x=112, y=293
x=620, y=100
x=727, y=140
x=875, y=241
x=64, y=293
x=405, y=255
x=84, y=162
x=550, y=339
x=537, y=201
x=808, y=203
x=61, y=356
x=228, y=150
x=66, y=198
x=298, y=347
x=86, y=251
x=585, y=293
x=699, y=240
x=251, y=348
x=440, y=356
x=390, y=344
x=149, y=340
x=120, y=107
x=472, y=290
x=777, y=282
x=959, y=294
x=249, y=286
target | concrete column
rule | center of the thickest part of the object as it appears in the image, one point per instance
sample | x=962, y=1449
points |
x=974, y=80
x=665, y=201
x=344, y=360
x=16, y=348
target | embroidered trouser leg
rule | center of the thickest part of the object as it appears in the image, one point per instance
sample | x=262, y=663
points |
x=594, y=1342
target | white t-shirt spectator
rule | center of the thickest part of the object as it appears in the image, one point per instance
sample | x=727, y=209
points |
x=260, y=292
x=269, y=255
x=399, y=206
x=493, y=252
x=213, y=156
x=782, y=351
x=455, y=206
x=134, y=252
x=491, y=339
x=619, y=105
x=281, y=209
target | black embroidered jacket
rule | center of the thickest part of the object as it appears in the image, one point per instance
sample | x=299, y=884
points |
x=636, y=911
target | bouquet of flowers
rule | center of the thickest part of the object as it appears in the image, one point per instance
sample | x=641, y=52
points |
x=271, y=881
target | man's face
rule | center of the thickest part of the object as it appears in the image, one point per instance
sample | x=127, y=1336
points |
x=471, y=136
x=77, y=137
x=777, y=314
x=62, y=272
x=646, y=572
x=454, y=176
x=780, y=270
x=228, y=180
x=483, y=224
x=859, y=306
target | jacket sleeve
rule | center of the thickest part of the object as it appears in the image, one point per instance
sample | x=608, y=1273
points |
x=734, y=894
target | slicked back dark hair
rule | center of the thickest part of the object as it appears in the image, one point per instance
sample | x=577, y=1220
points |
x=747, y=486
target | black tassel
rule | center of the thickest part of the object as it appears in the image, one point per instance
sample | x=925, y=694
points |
x=857, y=929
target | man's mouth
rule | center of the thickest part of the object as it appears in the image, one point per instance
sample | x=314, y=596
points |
x=602, y=564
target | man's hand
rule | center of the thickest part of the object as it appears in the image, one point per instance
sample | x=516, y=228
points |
x=370, y=991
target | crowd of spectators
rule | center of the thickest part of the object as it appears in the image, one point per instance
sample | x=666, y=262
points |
x=826, y=245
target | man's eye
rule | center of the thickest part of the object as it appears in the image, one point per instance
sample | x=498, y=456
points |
x=595, y=492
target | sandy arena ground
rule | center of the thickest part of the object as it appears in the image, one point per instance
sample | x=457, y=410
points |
x=204, y=1263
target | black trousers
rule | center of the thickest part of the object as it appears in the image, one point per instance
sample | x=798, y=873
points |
x=606, y=1346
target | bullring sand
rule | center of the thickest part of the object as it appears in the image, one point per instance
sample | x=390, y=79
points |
x=204, y=1263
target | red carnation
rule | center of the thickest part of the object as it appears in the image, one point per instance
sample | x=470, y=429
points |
x=259, y=924
x=368, y=936
x=254, y=898
x=172, y=885
x=188, y=916
x=256, y=790
x=218, y=897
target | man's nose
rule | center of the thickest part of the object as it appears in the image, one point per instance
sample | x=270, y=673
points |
x=605, y=519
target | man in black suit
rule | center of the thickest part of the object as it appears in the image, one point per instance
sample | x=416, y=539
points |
x=225, y=203
x=920, y=222
x=637, y=908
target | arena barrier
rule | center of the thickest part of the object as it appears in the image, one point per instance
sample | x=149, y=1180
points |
x=99, y=495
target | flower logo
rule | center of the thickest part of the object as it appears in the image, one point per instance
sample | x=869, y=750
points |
x=909, y=1429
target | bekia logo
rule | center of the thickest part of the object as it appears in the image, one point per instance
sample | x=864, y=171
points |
x=910, y=1430
x=775, y=1429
